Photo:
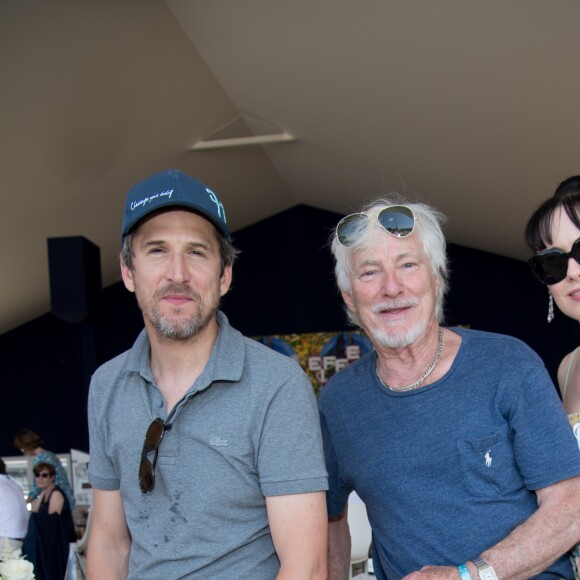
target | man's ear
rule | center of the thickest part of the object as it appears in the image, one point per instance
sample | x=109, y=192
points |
x=127, y=275
x=226, y=279
x=348, y=301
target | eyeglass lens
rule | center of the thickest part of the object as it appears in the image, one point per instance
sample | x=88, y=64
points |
x=153, y=438
x=397, y=220
x=44, y=474
x=551, y=266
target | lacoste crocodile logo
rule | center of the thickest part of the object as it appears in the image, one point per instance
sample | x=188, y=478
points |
x=217, y=442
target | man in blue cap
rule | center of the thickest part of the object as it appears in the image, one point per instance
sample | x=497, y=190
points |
x=206, y=456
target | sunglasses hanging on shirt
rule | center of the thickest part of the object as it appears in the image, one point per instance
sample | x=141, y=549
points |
x=153, y=439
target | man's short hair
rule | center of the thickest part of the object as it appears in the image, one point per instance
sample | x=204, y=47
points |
x=228, y=252
x=173, y=189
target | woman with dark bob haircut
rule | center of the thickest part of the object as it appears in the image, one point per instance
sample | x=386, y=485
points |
x=553, y=234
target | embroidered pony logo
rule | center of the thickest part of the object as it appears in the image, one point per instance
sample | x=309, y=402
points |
x=488, y=458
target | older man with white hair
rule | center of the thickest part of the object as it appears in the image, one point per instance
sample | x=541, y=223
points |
x=455, y=439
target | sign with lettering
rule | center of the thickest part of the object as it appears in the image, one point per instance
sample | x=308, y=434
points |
x=321, y=354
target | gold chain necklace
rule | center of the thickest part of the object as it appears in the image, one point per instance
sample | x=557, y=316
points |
x=424, y=375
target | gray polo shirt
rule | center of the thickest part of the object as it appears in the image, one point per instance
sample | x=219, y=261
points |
x=247, y=428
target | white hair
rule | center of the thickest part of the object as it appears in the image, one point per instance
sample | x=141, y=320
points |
x=428, y=228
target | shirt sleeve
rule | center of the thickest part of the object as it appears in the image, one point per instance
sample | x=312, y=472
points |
x=338, y=492
x=102, y=474
x=290, y=456
x=544, y=445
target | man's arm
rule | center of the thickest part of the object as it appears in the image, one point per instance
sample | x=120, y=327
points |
x=552, y=530
x=299, y=528
x=109, y=538
x=339, y=547
x=547, y=534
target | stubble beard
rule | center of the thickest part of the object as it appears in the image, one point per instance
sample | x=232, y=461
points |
x=182, y=329
x=176, y=328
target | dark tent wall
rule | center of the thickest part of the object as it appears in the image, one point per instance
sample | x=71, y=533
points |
x=284, y=277
x=498, y=294
x=44, y=369
x=283, y=283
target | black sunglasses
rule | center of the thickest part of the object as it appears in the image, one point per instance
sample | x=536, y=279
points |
x=44, y=475
x=151, y=444
x=551, y=266
x=397, y=220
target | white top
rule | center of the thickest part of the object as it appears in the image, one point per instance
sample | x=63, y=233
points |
x=13, y=512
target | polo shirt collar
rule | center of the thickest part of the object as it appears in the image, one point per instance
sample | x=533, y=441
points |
x=226, y=361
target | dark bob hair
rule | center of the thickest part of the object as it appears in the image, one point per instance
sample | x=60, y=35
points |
x=539, y=228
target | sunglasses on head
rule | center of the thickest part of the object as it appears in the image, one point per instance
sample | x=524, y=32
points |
x=153, y=438
x=551, y=266
x=44, y=474
x=397, y=220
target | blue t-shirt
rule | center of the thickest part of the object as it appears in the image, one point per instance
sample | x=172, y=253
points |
x=447, y=470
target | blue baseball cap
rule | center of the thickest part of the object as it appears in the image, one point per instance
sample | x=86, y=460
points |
x=172, y=188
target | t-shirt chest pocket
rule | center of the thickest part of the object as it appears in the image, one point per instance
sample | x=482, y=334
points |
x=487, y=464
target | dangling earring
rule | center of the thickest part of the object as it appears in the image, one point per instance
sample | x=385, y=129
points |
x=550, y=307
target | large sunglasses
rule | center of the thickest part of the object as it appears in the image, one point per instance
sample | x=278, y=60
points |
x=397, y=220
x=151, y=444
x=551, y=266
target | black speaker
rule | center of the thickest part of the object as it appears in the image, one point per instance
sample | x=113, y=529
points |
x=75, y=277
